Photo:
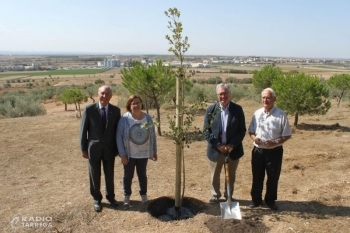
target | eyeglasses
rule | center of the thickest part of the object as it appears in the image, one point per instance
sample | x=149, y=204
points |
x=135, y=103
x=266, y=97
x=222, y=94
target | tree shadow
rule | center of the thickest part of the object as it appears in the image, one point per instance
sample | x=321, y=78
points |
x=319, y=127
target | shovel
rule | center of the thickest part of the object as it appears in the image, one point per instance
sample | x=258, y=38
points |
x=229, y=209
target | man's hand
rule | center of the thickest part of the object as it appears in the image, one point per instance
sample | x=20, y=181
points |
x=222, y=148
x=229, y=148
x=85, y=154
x=257, y=141
x=270, y=143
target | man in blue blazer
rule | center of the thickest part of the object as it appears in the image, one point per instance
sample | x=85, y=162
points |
x=98, y=144
x=224, y=129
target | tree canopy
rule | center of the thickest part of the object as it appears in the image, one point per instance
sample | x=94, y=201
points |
x=300, y=94
x=73, y=96
x=264, y=78
x=341, y=82
x=154, y=82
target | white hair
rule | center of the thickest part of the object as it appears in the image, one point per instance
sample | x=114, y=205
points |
x=223, y=85
x=273, y=93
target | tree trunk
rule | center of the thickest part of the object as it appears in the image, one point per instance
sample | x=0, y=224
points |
x=146, y=104
x=79, y=110
x=65, y=107
x=296, y=118
x=158, y=119
x=179, y=144
x=339, y=98
x=93, y=100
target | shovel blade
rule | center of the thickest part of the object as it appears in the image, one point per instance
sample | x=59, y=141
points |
x=230, y=211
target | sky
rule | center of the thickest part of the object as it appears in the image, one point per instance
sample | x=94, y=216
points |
x=276, y=28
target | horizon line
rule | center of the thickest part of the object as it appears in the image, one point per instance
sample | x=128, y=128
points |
x=9, y=53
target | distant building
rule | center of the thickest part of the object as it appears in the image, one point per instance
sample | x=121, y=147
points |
x=110, y=63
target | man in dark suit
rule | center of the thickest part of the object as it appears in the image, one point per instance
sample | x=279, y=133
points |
x=98, y=144
x=224, y=129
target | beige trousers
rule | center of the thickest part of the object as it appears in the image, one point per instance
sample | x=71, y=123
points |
x=215, y=171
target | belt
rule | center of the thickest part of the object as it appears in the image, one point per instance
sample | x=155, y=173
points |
x=261, y=150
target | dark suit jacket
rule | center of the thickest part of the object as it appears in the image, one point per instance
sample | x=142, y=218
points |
x=235, y=132
x=93, y=139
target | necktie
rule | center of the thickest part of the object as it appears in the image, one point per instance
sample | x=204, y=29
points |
x=104, y=119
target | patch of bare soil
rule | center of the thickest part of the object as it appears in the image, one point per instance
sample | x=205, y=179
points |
x=44, y=180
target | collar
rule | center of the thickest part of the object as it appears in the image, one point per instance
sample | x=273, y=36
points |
x=269, y=112
x=100, y=106
x=226, y=108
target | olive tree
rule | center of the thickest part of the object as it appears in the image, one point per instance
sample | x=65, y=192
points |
x=184, y=115
x=300, y=94
x=73, y=96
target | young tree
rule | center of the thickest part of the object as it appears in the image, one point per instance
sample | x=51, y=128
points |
x=301, y=94
x=76, y=96
x=264, y=78
x=153, y=82
x=341, y=82
x=179, y=46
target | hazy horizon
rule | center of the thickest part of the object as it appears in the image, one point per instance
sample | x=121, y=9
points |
x=43, y=53
x=312, y=29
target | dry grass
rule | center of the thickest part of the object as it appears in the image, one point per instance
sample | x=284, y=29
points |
x=43, y=174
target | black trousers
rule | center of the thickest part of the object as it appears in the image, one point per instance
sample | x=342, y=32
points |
x=269, y=161
x=141, y=170
x=95, y=178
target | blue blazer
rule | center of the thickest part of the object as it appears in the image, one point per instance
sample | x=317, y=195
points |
x=235, y=131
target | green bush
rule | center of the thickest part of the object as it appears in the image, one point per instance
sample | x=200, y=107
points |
x=239, y=80
x=7, y=85
x=214, y=80
x=197, y=94
x=201, y=81
x=232, y=71
x=13, y=105
x=99, y=82
x=119, y=90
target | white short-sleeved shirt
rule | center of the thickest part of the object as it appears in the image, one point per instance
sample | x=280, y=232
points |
x=269, y=126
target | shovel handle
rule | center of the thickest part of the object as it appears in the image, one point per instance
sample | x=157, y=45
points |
x=227, y=175
x=227, y=179
x=226, y=158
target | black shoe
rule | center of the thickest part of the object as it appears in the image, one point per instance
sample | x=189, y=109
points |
x=255, y=205
x=213, y=200
x=97, y=206
x=113, y=203
x=273, y=206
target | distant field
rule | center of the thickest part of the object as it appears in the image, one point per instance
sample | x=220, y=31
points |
x=53, y=72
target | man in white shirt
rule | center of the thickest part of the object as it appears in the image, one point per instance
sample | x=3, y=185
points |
x=269, y=129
